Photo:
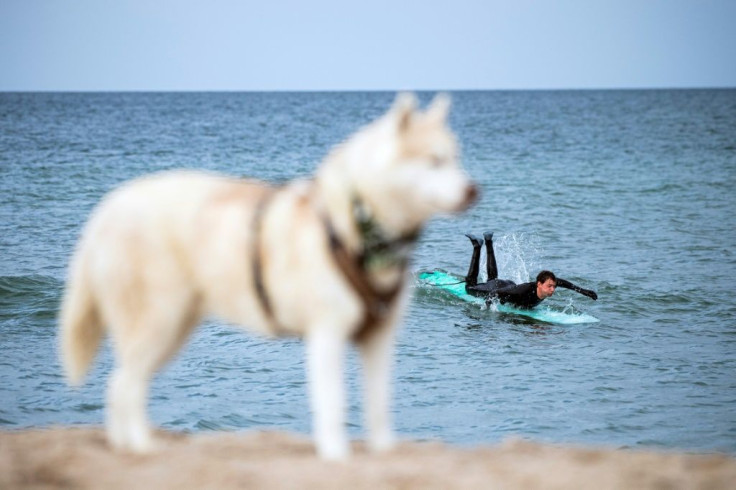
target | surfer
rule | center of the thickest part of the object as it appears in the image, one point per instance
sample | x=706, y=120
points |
x=526, y=295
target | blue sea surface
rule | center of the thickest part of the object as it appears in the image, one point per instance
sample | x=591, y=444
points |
x=629, y=193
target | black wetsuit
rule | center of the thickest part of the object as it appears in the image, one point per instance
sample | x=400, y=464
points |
x=520, y=295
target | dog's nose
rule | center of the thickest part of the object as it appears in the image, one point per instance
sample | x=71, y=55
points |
x=471, y=195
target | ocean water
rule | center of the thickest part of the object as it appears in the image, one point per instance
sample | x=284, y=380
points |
x=629, y=193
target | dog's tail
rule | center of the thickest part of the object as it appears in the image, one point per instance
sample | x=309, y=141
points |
x=81, y=328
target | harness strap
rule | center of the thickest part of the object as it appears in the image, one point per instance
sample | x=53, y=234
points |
x=376, y=303
x=260, y=286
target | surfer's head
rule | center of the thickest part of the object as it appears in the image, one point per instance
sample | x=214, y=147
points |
x=546, y=284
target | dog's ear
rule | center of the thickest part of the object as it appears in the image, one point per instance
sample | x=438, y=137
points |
x=403, y=110
x=439, y=108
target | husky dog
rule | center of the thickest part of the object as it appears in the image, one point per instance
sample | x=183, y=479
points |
x=325, y=259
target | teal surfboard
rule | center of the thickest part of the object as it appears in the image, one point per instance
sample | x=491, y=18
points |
x=454, y=285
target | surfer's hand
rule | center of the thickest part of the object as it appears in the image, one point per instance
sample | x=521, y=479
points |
x=590, y=294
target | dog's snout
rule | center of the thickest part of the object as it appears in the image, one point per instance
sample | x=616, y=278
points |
x=471, y=195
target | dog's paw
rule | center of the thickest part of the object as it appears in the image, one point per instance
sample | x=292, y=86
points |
x=137, y=442
x=334, y=450
x=383, y=442
x=145, y=445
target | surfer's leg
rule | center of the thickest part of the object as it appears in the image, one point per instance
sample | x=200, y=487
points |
x=472, y=278
x=491, y=268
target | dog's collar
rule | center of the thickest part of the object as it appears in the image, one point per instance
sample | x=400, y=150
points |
x=379, y=251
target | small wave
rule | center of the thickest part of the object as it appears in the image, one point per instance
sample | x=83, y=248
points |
x=34, y=296
x=24, y=285
x=203, y=424
x=89, y=407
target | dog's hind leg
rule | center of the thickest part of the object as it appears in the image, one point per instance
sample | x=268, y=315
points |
x=127, y=425
x=376, y=351
x=155, y=335
x=325, y=352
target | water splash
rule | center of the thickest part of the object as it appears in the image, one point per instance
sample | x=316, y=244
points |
x=517, y=257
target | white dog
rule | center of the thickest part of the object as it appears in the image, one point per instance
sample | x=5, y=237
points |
x=325, y=259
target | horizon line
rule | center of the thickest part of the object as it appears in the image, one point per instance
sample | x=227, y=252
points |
x=374, y=90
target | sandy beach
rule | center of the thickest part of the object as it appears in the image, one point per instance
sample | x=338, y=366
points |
x=80, y=458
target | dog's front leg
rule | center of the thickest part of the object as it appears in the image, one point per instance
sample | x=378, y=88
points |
x=325, y=352
x=377, y=352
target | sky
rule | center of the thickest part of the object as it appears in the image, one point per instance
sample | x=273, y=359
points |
x=274, y=45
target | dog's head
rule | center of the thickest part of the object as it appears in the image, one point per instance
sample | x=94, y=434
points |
x=405, y=166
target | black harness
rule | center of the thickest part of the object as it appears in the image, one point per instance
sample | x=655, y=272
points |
x=263, y=297
x=378, y=251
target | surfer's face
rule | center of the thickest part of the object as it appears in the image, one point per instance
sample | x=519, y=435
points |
x=546, y=289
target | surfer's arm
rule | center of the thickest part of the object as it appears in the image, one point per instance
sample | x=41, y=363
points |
x=511, y=290
x=501, y=293
x=568, y=285
x=517, y=294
